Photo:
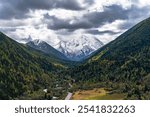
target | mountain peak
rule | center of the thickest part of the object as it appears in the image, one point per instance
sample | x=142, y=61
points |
x=79, y=48
x=38, y=41
x=46, y=48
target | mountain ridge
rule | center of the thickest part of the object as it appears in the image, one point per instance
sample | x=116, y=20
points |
x=46, y=48
x=73, y=50
x=25, y=72
x=122, y=65
x=79, y=49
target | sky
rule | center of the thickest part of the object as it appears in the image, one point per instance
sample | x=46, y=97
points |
x=55, y=20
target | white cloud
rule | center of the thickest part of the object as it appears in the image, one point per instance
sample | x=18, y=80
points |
x=143, y=3
x=114, y=26
x=106, y=38
x=37, y=28
x=64, y=14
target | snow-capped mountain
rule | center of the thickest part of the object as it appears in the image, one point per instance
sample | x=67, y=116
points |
x=73, y=49
x=79, y=49
x=39, y=43
x=46, y=48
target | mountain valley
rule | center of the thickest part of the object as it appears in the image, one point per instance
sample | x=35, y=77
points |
x=120, y=67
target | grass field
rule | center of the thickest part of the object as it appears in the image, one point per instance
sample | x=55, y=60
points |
x=97, y=94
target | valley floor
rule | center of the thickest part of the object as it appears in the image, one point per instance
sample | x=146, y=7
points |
x=97, y=94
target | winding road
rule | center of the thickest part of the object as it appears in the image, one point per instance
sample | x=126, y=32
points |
x=68, y=97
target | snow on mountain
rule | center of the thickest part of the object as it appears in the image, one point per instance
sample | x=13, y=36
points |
x=75, y=49
x=46, y=48
x=78, y=49
x=38, y=42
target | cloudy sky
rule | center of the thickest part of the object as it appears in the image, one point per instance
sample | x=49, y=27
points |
x=54, y=20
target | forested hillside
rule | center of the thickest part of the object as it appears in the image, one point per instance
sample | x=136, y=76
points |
x=25, y=72
x=123, y=64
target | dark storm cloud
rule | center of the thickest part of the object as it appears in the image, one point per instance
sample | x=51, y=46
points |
x=57, y=24
x=19, y=8
x=110, y=14
x=89, y=20
x=96, y=32
x=97, y=19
